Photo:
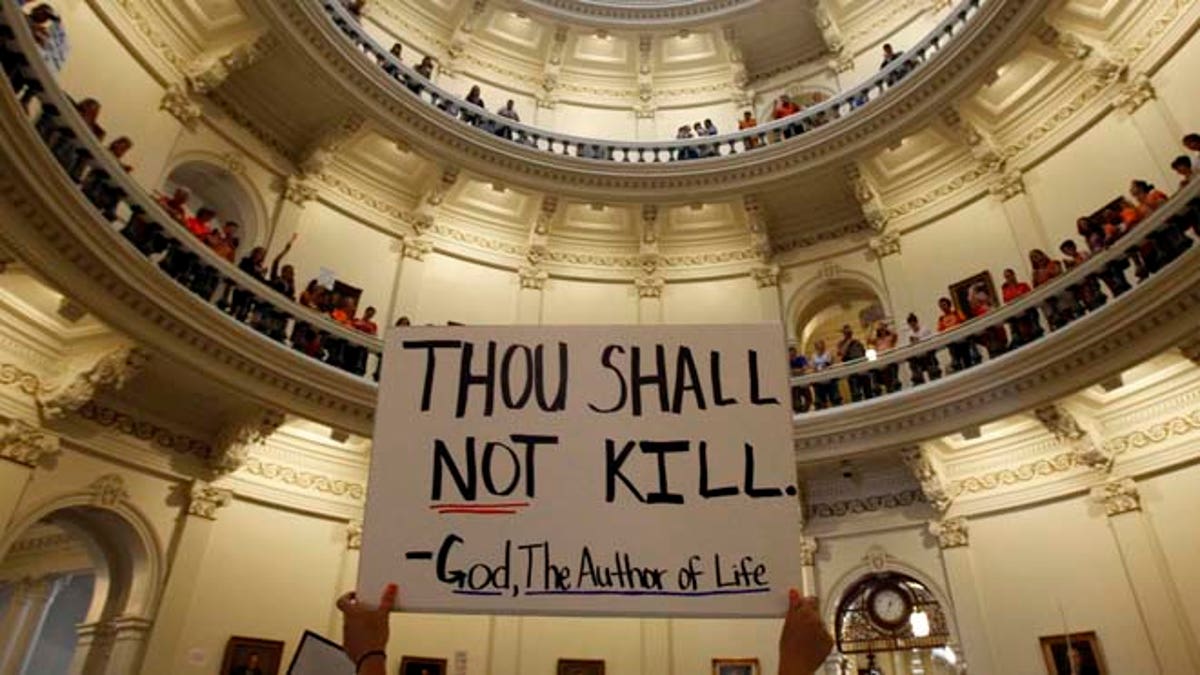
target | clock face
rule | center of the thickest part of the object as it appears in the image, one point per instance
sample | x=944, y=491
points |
x=889, y=606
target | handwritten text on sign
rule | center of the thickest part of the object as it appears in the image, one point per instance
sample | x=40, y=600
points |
x=610, y=470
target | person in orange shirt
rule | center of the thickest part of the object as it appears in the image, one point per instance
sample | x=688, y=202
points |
x=365, y=324
x=176, y=204
x=224, y=242
x=1148, y=198
x=785, y=107
x=200, y=224
x=1044, y=269
x=1026, y=327
x=748, y=121
x=344, y=312
x=962, y=353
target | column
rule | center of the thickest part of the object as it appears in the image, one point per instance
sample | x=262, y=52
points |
x=766, y=277
x=1172, y=640
x=294, y=193
x=1022, y=217
x=22, y=448
x=504, y=645
x=529, y=297
x=1159, y=131
x=22, y=622
x=165, y=650
x=649, y=289
x=348, y=576
x=808, y=566
x=410, y=278
x=111, y=647
x=656, y=646
x=886, y=250
x=973, y=633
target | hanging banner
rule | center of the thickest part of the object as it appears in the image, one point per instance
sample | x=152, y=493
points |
x=618, y=470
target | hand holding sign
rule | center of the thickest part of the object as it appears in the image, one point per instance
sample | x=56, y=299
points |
x=619, y=470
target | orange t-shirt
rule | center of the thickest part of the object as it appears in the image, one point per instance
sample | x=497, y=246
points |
x=950, y=320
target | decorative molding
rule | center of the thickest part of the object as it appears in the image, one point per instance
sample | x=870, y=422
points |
x=12, y=375
x=1023, y=473
x=950, y=532
x=1119, y=495
x=298, y=190
x=144, y=431
x=111, y=371
x=108, y=490
x=766, y=276
x=26, y=444
x=1008, y=186
x=649, y=286
x=1080, y=433
x=240, y=436
x=885, y=244
x=1067, y=44
x=416, y=248
x=305, y=480
x=923, y=465
x=354, y=530
x=178, y=103
x=1134, y=94
x=1154, y=434
x=204, y=500
x=848, y=507
x=533, y=278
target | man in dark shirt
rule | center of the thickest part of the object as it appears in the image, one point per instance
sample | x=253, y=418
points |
x=852, y=349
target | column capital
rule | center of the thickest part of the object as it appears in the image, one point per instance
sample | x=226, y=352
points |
x=25, y=443
x=649, y=286
x=178, y=103
x=950, y=532
x=808, y=551
x=533, y=278
x=416, y=248
x=766, y=276
x=1135, y=93
x=1008, y=186
x=1119, y=495
x=885, y=244
x=354, y=531
x=204, y=500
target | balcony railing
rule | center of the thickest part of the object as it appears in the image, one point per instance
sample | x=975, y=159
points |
x=412, y=83
x=1152, y=247
x=147, y=227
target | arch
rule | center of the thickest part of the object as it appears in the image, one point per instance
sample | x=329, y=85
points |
x=877, y=562
x=230, y=193
x=127, y=552
x=826, y=289
x=128, y=565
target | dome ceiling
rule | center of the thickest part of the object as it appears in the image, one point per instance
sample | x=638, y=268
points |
x=638, y=14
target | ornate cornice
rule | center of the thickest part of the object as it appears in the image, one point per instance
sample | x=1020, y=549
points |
x=142, y=430
x=305, y=480
x=849, y=507
x=1022, y=473
x=14, y=376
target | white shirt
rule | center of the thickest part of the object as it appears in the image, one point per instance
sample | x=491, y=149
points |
x=921, y=334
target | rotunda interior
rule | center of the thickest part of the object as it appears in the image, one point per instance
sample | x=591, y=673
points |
x=973, y=222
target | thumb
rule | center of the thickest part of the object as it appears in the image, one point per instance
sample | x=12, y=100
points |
x=794, y=599
x=388, y=600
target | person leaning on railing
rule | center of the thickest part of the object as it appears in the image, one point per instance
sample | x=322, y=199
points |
x=924, y=365
x=802, y=398
x=826, y=393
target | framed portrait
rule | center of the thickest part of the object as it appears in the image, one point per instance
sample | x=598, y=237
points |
x=422, y=665
x=252, y=656
x=735, y=667
x=1078, y=654
x=960, y=293
x=580, y=667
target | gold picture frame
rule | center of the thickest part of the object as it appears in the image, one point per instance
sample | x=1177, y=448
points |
x=1085, y=646
x=736, y=667
x=580, y=667
x=422, y=665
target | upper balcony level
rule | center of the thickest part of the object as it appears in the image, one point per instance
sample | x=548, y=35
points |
x=962, y=51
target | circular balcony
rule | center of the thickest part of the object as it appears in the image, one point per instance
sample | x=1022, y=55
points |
x=958, y=54
x=75, y=216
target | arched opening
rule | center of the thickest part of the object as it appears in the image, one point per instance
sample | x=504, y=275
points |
x=889, y=623
x=73, y=594
x=824, y=309
x=215, y=187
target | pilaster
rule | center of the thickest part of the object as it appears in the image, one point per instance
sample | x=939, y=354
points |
x=22, y=448
x=110, y=647
x=23, y=619
x=808, y=565
x=294, y=193
x=348, y=574
x=1172, y=639
x=410, y=277
x=953, y=539
x=164, y=651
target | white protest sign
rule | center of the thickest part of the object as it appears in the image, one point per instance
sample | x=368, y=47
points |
x=624, y=470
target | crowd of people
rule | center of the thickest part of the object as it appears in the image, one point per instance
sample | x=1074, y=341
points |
x=1143, y=252
x=468, y=109
x=262, y=308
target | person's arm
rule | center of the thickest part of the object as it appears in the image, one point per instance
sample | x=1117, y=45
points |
x=805, y=643
x=365, y=630
x=275, y=262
